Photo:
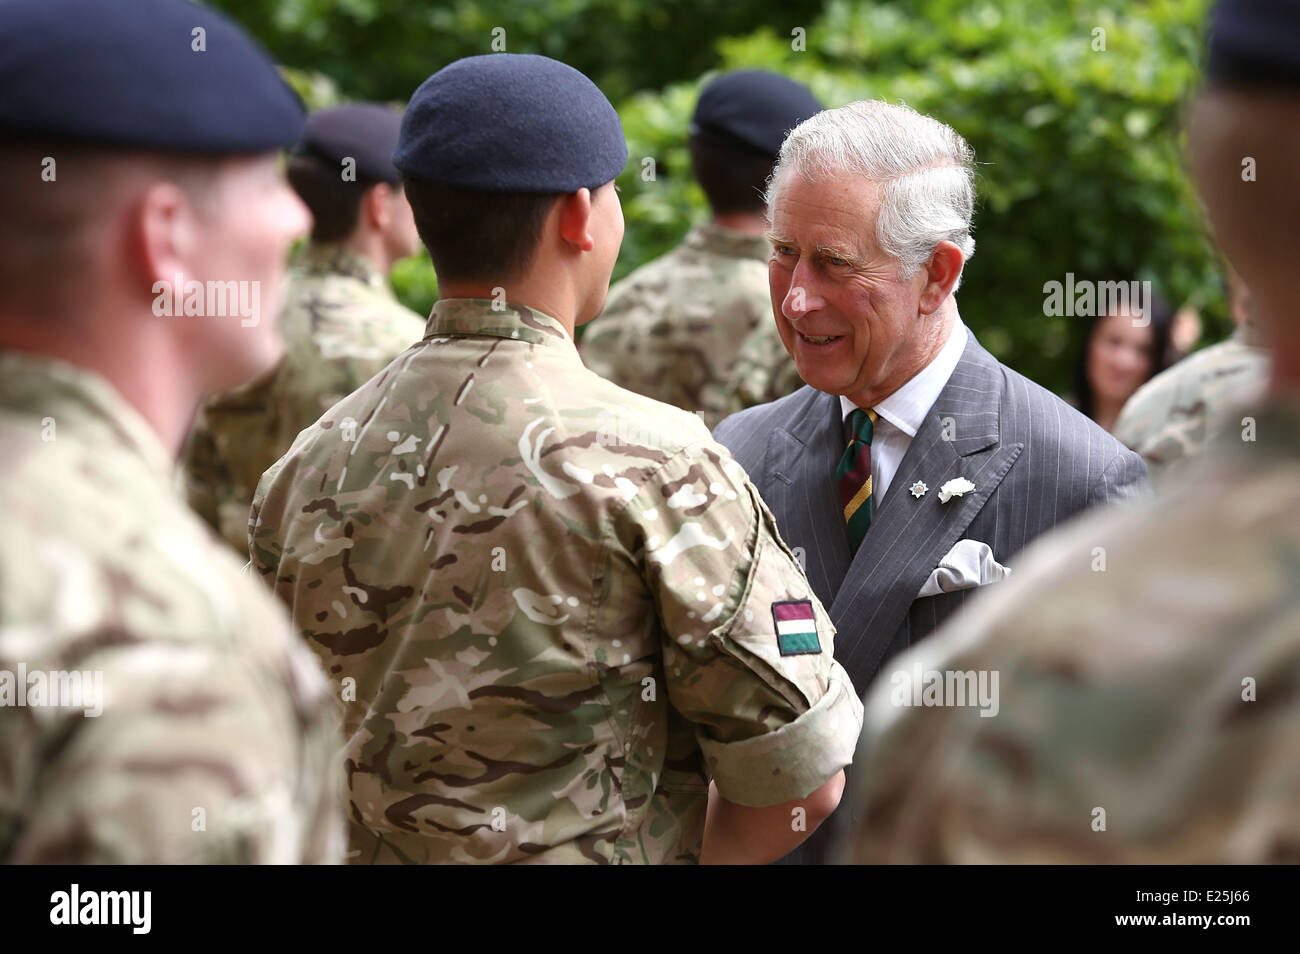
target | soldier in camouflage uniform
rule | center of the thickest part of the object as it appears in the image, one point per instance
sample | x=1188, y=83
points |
x=1170, y=417
x=763, y=371
x=671, y=329
x=1147, y=659
x=555, y=608
x=155, y=705
x=340, y=321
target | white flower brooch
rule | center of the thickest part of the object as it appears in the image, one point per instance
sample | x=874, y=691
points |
x=955, y=488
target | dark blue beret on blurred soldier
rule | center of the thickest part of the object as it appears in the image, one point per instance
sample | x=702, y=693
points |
x=752, y=108
x=154, y=74
x=364, y=132
x=1252, y=43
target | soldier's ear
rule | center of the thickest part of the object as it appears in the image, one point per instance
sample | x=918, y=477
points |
x=163, y=229
x=575, y=220
x=377, y=206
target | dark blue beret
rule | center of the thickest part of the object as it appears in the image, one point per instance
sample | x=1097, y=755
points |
x=364, y=132
x=755, y=107
x=1255, y=42
x=511, y=122
x=126, y=73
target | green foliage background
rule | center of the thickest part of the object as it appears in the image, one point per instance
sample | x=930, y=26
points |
x=1079, y=147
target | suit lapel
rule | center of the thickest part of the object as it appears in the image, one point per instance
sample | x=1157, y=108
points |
x=800, y=489
x=908, y=536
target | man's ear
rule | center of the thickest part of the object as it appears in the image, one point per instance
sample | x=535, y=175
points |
x=941, y=271
x=575, y=217
x=163, y=230
x=376, y=207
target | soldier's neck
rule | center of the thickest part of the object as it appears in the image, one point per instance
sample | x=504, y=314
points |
x=166, y=395
x=371, y=247
x=547, y=299
x=1286, y=372
x=1279, y=332
x=742, y=222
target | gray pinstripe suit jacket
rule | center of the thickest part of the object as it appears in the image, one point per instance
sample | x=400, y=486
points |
x=1033, y=459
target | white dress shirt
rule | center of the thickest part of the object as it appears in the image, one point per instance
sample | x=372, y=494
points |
x=900, y=415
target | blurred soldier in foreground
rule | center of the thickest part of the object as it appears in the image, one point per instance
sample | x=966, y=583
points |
x=672, y=328
x=154, y=704
x=340, y=321
x=1147, y=660
x=556, y=607
x=1171, y=417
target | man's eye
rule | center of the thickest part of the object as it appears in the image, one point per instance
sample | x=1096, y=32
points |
x=837, y=261
x=783, y=250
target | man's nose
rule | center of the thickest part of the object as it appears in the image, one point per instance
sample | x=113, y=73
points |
x=296, y=219
x=799, y=299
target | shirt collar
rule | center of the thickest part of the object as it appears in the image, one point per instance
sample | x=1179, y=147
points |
x=906, y=408
x=455, y=317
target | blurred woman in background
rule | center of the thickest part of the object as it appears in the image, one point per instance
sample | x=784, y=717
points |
x=1118, y=356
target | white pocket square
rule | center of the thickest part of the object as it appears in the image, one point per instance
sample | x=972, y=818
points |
x=969, y=563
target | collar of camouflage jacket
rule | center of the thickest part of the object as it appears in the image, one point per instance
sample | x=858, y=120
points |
x=330, y=258
x=497, y=319
x=719, y=241
x=75, y=401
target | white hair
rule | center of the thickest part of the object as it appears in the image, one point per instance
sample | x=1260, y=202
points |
x=926, y=172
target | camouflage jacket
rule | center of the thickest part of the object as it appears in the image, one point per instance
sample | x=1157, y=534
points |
x=763, y=371
x=1147, y=710
x=671, y=329
x=341, y=324
x=1171, y=417
x=554, y=603
x=215, y=738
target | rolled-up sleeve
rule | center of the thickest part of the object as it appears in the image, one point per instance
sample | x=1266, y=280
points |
x=748, y=649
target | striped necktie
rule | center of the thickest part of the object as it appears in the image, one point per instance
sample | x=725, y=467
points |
x=854, y=476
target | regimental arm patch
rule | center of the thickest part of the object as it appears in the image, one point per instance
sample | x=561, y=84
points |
x=796, y=627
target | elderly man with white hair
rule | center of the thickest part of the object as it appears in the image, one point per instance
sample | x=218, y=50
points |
x=913, y=467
